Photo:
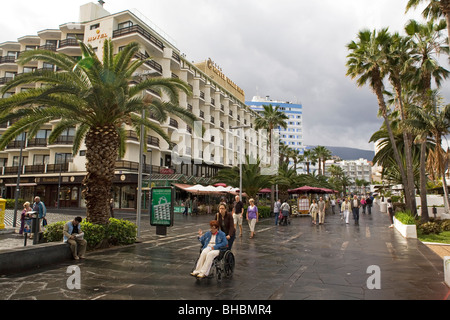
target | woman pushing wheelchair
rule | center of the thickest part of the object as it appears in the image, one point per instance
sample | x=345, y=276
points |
x=212, y=242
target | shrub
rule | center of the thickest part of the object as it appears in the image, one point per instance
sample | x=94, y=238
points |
x=405, y=217
x=121, y=232
x=94, y=234
x=445, y=225
x=430, y=227
x=117, y=232
x=54, y=231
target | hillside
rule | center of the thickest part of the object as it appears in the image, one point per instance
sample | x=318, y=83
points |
x=349, y=153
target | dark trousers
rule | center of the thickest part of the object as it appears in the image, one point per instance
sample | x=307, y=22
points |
x=356, y=214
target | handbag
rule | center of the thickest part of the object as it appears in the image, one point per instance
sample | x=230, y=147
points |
x=44, y=222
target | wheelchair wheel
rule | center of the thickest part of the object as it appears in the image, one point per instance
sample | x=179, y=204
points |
x=228, y=264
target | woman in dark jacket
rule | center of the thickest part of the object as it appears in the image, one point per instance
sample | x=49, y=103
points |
x=226, y=224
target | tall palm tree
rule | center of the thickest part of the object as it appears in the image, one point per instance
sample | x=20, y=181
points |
x=95, y=97
x=322, y=155
x=271, y=118
x=436, y=124
x=434, y=10
x=367, y=62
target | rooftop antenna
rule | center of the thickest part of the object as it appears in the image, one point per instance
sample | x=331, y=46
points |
x=101, y=2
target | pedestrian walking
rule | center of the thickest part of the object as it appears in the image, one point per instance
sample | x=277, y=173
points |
x=285, y=213
x=363, y=204
x=313, y=210
x=355, y=203
x=390, y=208
x=111, y=207
x=276, y=210
x=321, y=205
x=345, y=209
x=238, y=212
x=369, y=203
x=252, y=217
x=195, y=206
x=333, y=204
x=226, y=224
x=186, y=206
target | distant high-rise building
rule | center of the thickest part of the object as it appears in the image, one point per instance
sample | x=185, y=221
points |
x=292, y=136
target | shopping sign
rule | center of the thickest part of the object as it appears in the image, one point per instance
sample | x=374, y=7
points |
x=162, y=207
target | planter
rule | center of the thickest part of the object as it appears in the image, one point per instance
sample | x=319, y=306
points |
x=447, y=270
x=406, y=230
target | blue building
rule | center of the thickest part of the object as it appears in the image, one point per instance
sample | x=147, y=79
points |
x=292, y=136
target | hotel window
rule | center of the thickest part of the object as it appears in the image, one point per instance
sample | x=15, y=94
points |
x=28, y=69
x=51, y=42
x=28, y=48
x=61, y=158
x=3, y=162
x=125, y=24
x=16, y=161
x=95, y=26
x=41, y=159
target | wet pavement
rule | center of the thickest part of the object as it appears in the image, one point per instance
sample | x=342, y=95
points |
x=334, y=261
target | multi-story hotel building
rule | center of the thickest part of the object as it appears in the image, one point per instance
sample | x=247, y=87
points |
x=50, y=169
x=292, y=136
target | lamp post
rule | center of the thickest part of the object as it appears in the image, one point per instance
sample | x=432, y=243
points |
x=240, y=162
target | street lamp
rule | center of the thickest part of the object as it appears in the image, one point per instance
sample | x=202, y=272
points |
x=240, y=162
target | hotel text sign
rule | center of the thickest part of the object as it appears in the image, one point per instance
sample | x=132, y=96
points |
x=218, y=71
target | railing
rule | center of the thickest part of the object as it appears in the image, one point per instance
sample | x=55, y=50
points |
x=60, y=167
x=152, y=63
x=154, y=141
x=68, y=43
x=7, y=59
x=37, y=142
x=173, y=123
x=141, y=31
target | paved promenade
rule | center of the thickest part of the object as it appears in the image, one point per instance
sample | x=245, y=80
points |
x=334, y=261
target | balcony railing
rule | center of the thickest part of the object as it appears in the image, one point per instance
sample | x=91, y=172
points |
x=138, y=29
x=68, y=43
x=152, y=63
x=173, y=123
x=7, y=59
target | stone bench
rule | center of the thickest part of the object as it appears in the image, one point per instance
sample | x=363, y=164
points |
x=33, y=257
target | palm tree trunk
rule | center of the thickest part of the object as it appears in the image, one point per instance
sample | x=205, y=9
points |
x=378, y=89
x=101, y=152
x=423, y=182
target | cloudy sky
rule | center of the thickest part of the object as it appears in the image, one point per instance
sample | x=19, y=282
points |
x=291, y=50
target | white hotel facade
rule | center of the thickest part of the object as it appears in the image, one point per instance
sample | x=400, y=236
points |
x=51, y=169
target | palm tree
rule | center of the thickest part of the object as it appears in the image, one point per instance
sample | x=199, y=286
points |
x=271, y=118
x=436, y=124
x=285, y=179
x=322, y=155
x=252, y=180
x=434, y=10
x=95, y=97
x=367, y=62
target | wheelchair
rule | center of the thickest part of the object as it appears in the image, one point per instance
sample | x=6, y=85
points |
x=222, y=266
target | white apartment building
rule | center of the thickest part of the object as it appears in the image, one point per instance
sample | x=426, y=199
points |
x=354, y=169
x=51, y=170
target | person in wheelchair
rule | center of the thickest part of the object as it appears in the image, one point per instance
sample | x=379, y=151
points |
x=213, y=242
x=226, y=224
